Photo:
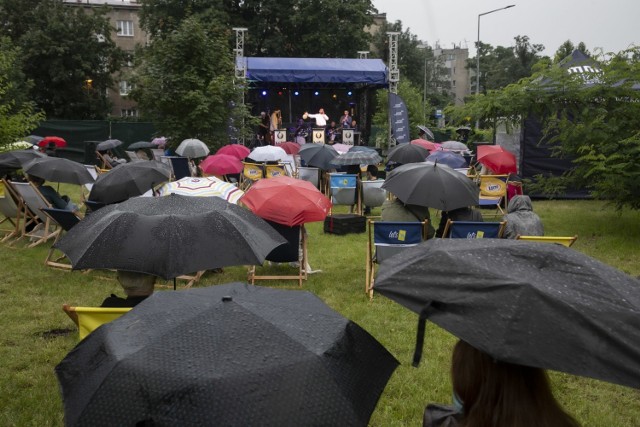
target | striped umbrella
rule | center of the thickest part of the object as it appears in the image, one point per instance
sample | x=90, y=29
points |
x=202, y=187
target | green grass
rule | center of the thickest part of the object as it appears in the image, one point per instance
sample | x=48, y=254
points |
x=36, y=334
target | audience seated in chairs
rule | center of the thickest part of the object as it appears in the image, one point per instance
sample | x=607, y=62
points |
x=521, y=220
x=52, y=196
x=460, y=214
x=396, y=211
x=137, y=287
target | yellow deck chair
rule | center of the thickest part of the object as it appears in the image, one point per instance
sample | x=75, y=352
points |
x=493, y=192
x=561, y=240
x=272, y=171
x=87, y=319
x=251, y=172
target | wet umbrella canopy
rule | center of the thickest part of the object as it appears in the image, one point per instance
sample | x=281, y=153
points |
x=129, y=180
x=58, y=169
x=169, y=236
x=18, y=158
x=233, y=354
x=453, y=160
x=533, y=304
x=407, y=153
x=318, y=155
x=357, y=158
x=237, y=150
x=108, y=144
x=192, y=148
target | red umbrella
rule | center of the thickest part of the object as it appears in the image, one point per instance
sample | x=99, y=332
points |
x=59, y=142
x=287, y=201
x=221, y=164
x=236, y=150
x=290, y=147
x=431, y=146
x=496, y=158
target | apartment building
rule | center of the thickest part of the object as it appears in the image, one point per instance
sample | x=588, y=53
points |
x=455, y=61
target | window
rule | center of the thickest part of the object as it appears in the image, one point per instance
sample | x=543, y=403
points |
x=453, y=84
x=128, y=112
x=125, y=87
x=125, y=28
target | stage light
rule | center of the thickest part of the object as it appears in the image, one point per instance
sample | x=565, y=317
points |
x=280, y=93
x=296, y=93
x=334, y=96
x=349, y=93
x=316, y=93
x=264, y=93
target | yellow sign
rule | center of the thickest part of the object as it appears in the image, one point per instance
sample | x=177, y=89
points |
x=402, y=235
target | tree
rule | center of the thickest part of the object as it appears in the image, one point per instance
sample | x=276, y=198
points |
x=17, y=116
x=68, y=54
x=567, y=49
x=184, y=83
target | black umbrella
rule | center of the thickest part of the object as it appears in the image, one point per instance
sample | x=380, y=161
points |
x=18, y=158
x=357, y=158
x=533, y=304
x=407, y=153
x=427, y=131
x=108, y=144
x=129, y=180
x=140, y=145
x=58, y=169
x=230, y=354
x=318, y=155
x=362, y=148
x=169, y=236
x=434, y=185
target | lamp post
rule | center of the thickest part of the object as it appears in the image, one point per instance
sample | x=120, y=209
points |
x=424, y=87
x=478, y=51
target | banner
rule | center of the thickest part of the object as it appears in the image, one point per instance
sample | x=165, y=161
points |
x=318, y=135
x=348, y=136
x=399, y=119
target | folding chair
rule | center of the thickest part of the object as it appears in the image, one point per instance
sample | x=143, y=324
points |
x=32, y=203
x=104, y=164
x=251, y=172
x=343, y=189
x=87, y=319
x=180, y=167
x=10, y=211
x=373, y=195
x=93, y=171
x=295, y=250
x=309, y=174
x=133, y=157
x=560, y=240
x=93, y=206
x=157, y=154
x=473, y=230
x=272, y=171
x=388, y=238
x=493, y=192
x=65, y=220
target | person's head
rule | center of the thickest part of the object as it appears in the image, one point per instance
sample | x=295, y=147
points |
x=353, y=123
x=346, y=112
x=520, y=203
x=36, y=180
x=372, y=171
x=333, y=124
x=263, y=114
x=321, y=111
x=495, y=393
x=136, y=284
x=421, y=133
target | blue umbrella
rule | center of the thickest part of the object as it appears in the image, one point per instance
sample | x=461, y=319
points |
x=453, y=160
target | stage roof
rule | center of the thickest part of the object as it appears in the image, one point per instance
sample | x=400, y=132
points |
x=363, y=72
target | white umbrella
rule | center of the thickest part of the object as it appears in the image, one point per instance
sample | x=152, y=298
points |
x=202, y=187
x=268, y=153
x=192, y=148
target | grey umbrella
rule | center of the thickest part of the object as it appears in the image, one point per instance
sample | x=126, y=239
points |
x=129, y=180
x=58, y=169
x=454, y=145
x=17, y=159
x=192, y=148
x=227, y=355
x=434, y=185
x=407, y=153
x=357, y=158
x=533, y=304
x=141, y=145
x=169, y=236
x=109, y=144
x=318, y=155
x=427, y=131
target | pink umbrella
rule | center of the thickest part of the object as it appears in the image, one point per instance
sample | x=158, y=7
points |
x=342, y=148
x=236, y=150
x=290, y=147
x=431, y=146
x=221, y=164
x=161, y=140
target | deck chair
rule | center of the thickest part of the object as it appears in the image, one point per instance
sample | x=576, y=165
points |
x=9, y=211
x=388, y=238
x=180, y=167
x=294, y=251
x=87, y=319
x=65, y=220
x=93, y=206
x=32, y=203
x=493, y=192
x=373, y=195
x=93, y=171
x=473, y=230
x=309, y=174
x=133, y=157
x=104, y=164
x=560, y=240
x=251, y=172
x=272, y=171
x=343, y=189
x=157, y=154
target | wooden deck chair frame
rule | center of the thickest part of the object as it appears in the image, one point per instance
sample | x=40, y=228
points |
x=88, y=319
x=567, y=241
x=104, y=164
x=65, y=220
x=10, y=209
x=32, y=201
x=302, y=259
x=499, y=226
x=396, y=241
x=493, y=192
x=191, y=278
x=251, y=172
x=347, y=180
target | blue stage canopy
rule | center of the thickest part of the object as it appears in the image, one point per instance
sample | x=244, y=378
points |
x=365, y=72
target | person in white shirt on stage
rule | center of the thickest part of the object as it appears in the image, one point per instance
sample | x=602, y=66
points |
x=321, y=118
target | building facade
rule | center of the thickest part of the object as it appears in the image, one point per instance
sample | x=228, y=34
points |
x=127, y=34
x=455, y=62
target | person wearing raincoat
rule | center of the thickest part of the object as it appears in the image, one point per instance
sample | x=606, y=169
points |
x=521, y=220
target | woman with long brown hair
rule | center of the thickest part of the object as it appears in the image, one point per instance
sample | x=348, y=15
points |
x=499, y=394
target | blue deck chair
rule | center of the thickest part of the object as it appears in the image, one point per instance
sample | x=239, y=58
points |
x=179, y=166
x=65, y=220
x=343, y=189
x=388, y=238
x=473, y=230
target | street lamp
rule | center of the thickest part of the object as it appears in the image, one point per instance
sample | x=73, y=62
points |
x=424, y=88
x=478, y=48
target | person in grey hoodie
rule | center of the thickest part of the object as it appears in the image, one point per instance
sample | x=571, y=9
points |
x=521, y=220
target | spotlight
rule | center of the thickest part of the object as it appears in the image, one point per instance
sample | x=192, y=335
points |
x=280, y=93
x=349, y=93
x=264, y=93
x=316, y=93
x=334, y=96
x=296, y=93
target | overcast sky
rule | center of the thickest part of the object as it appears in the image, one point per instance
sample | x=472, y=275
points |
x=612, y=25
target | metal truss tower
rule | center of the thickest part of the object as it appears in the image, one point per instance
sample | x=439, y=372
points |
x=394, y=72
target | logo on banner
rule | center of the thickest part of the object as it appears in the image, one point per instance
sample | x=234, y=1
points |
x=347, y=138
x=280, y=137
x=318, y=136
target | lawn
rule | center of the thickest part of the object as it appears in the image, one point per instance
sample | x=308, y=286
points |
x=36, y=334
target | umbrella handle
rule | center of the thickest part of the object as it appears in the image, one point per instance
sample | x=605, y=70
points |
x=422, y=323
